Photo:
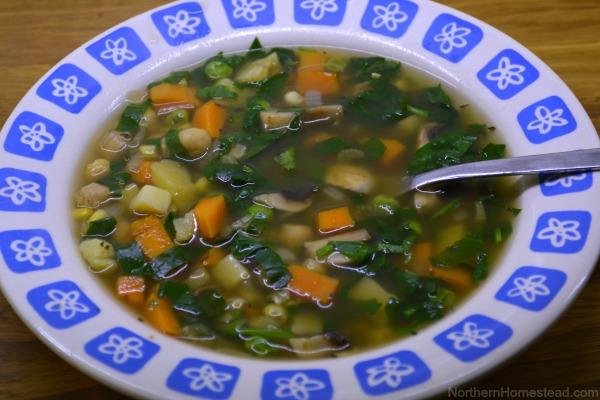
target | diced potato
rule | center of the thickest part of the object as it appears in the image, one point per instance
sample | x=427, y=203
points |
x=229, y=272
x=99, y=254
x=259, y=70
x=368, y=289
x=293, y=235
x=350, y=177
x=198, y=278
x=151, y=200
x=174, y=177
x=306, y=323
x=185, y=227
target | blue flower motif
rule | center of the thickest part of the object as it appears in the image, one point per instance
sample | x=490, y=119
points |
x=33, y=250
x=319, y=8
x=297, y=387
x=122, y=349
x=117, y=51
x=532, y=288
x=248, y=9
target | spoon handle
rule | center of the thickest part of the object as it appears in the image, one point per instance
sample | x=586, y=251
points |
x=568, y=161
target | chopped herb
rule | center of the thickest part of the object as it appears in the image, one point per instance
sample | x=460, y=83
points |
x=287, y=159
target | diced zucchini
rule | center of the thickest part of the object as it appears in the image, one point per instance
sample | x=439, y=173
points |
x=151, y=200
x=175, y=178
x=229, y=272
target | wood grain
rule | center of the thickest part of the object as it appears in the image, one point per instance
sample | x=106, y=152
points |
x=36, y=34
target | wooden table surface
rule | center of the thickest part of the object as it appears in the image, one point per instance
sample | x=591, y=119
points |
x=36, y=34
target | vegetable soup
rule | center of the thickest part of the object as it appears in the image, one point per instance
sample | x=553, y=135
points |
x=250, y=204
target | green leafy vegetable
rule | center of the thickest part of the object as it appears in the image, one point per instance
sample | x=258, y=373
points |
x=450, y=148
x=132, y=116
x=206, y=305
x=374, y=148
x=287, y=159
x=217, y=92
x=101, y=227
x=245, y=247
x=117, y=178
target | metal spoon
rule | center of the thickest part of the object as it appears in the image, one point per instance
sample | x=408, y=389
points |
x=563, y=162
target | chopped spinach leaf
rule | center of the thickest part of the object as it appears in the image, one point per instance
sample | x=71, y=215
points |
x=206, y=305
x=216, y=92
x=449, y=148
x=167, y=261
x=461, y=252
x=492, y=152
x=330, y=146
x=132, y=116
x=175, y=147
x=366, y=68
x=374, y=148
x=271, y=264
x=116, y=179
x=101, y=227
x=173, y=78
x=132, y=261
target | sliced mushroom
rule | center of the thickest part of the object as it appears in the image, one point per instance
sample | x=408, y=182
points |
x=92, y=195
x=326, y=114
x=360, y=235
x=319, y=345
x=114, y=143
x=428, y=132
x=279, y=201
x=350, y=177
x=272, y=120
x=321, y=115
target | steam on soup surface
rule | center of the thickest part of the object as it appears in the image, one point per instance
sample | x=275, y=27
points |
x=249, y=205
